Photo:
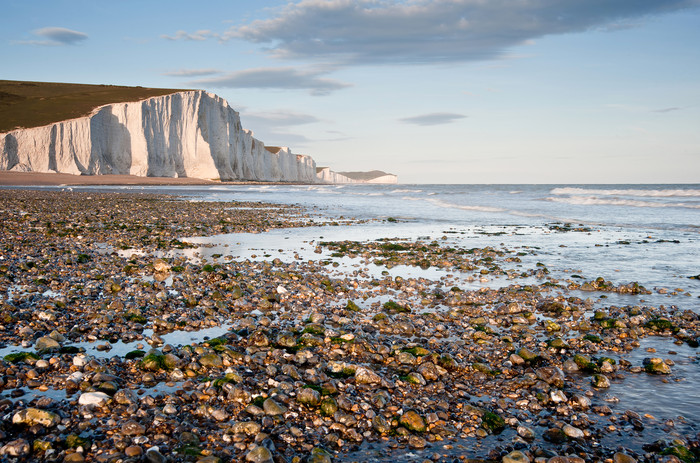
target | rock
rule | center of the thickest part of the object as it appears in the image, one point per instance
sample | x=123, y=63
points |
x=249, y=428
x=93, y=398
x=558, y=396
x=516, y=456
x=364, y=375
x=46, y=344
x=430, y=371
x=656, y=366
x=555, y=435
x=17, y=448
x=133, y=451
x=405, y=358
x=412, y=421
x=75, y=457
x=272, y=408
x=33, y=416
x=153, y=455
x=551, y=375
x=133, y=428
x=416, y=378
x=126, y=397
x=492, y=423
x=558, y=343
x=209, y=459
x=161, y=266
x=259, y=454
x=381, y=424
x=573, y=432
x=309, y=396
x=623, y=458
x=526, y=432
x=416, y=442
x=600, y=381
x=211, y=360
x=527, y=355
x=319, y=455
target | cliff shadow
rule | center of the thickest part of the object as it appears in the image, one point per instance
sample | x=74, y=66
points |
x=9, y=154
x=163, y=147
x=110, y=145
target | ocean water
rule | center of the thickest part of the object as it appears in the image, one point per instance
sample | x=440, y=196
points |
x=644, y=233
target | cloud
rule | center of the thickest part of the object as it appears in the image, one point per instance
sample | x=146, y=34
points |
x=430, y=31
x=183, y=35
x=275, y=78
x=433, y=119
x=280, y=118
x=192, y=73
x=667, y=110
x=56, y=36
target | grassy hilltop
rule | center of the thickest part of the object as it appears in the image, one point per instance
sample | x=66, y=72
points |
x=33, y=104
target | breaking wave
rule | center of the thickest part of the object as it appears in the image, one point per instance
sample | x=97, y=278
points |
x=595, y=201
x=666, y=193
x=445, y=204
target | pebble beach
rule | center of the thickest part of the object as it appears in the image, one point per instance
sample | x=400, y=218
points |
x=121, y=342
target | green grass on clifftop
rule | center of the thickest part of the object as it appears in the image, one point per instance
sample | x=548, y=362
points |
x=33, y=104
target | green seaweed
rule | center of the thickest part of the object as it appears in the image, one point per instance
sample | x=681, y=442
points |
x=21, y=357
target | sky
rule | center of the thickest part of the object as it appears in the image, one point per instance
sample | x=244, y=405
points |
x=435, y=91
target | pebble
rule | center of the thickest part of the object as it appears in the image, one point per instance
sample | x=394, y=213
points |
x=93, y=398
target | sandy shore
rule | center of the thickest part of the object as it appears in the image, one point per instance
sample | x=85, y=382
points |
x=8, y=178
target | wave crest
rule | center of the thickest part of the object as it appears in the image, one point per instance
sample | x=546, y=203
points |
x=592, y=200
x=666, y=193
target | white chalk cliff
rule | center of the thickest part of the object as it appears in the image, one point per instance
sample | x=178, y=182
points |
x=326, y=175
x=186, y=134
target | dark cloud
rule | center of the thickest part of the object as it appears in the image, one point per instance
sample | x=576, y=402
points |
x=56, y=36
x=431, y=31
x=192, y=73
x=433, y=119
x=275, y=78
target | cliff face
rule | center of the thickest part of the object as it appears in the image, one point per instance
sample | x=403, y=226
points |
x=187, y=134
x=326, y=175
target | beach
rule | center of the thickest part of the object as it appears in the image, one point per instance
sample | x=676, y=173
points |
x=216, y=323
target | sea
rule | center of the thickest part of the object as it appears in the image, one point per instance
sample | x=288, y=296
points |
x=649, y=234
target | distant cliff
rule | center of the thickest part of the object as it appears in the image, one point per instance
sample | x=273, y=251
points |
x=326, y=175
x=184, y=134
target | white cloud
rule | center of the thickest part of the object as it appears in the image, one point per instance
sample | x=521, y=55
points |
x=275, y=78
x=433, y=119
x=183, y=35
x=430, y=31
x=192, y=73
x=280, y=118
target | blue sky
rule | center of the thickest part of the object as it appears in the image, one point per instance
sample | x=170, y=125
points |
x=441, y=91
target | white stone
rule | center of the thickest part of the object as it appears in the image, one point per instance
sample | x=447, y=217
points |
x=93, y=398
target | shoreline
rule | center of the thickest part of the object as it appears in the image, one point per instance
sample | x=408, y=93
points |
x=316, y=365
x=8, y=178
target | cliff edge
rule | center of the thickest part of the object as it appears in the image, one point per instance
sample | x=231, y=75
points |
x=182, y=134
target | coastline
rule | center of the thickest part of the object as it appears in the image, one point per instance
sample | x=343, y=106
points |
x=8, y=178
x=307, y=361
